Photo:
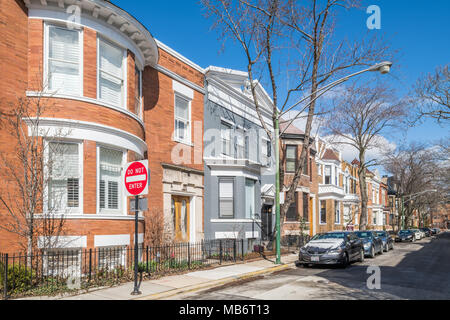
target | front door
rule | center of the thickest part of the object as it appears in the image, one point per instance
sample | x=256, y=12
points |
x=181, y=212
x=266, y=222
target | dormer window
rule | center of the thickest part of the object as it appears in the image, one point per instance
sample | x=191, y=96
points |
x=63, y=61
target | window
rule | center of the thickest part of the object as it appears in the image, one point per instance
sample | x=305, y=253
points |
x=182, y=119
x=240, y=144
x=266, y=152
x=225, y=132
x=337, y=212
x=137, y=92
x=319, y=169
x=110, y=258
x=374, y=218
x=64, y=60
x=292, y=213
x=291, y=158
x=327, y=174
x=110, y=191
x=250, y=205
x=336, y=174
x=323, y=212
x=226, y=198
x=62, y=262
x=305, y=207
x=64, y=177
x=111, y=87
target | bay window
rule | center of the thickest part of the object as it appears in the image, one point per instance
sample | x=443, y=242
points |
x=225, y=132
x=64, y=177
x=240, y=144
x=226, y=198
x=111, y=74
x=327, y=174
x=182, y=119
x=110, y=173
x=63, y=60
x=138, y=92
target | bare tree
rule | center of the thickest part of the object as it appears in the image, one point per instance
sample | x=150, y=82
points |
x=291, y=44
x=415, y=168
x=361, y=114
x=432, y=95
x=26, y=173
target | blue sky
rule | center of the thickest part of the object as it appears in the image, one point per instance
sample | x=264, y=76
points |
x=418, y=29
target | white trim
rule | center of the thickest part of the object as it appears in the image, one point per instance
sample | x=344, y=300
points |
x=183, y=94
x=140, y=238
x=180, y=79
x=37, y=94
x=90, y=216
x=192, y=221
x=112, y=240
x=224, y=173
x=65, y=242
x=82, y=130
x=233, y=221
x=226, y=235
x=252, y=234
x=182, y=89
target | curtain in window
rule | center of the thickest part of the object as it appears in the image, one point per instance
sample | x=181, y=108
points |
x=110, y=180
x=64, y=61
x=64, y=176
x=181, y=119
x=226, y=198
x=250, y=207
x=111, y=73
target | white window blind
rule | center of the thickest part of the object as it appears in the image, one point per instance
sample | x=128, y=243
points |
x=63, y=63
x=249, y=199
x=225, y=133
x=226, y=198
x=110, y=180
x=64, y=176
x=111, y=73
x=182, y=123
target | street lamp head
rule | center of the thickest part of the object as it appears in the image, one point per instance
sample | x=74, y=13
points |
x=383, y=67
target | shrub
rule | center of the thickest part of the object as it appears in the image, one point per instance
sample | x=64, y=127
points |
x=19, y=278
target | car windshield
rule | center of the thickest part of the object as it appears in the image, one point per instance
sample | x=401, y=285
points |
x=381, y=233
x=404, y=232
x=337, y=235
x=362, y=234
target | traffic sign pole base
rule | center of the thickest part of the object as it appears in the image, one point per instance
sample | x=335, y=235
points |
x=136, y=293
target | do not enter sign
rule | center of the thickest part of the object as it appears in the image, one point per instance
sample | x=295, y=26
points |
x=137, y=178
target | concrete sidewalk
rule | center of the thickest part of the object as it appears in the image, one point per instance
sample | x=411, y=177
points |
x=177, y=284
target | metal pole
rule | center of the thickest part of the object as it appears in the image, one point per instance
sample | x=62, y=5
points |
x=277, y=189
x=136, y=247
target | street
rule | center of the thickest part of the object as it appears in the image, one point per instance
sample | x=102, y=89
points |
x=418, y=270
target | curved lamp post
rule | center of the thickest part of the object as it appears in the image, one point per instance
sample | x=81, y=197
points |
x=382, y=67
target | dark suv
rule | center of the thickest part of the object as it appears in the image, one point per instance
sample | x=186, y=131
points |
x=332, y=248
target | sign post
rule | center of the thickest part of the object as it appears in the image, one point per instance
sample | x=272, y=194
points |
x=137, y=177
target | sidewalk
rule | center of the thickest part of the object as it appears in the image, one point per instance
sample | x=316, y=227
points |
x=177, y=284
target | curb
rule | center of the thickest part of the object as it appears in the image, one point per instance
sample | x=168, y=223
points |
x=215, y=283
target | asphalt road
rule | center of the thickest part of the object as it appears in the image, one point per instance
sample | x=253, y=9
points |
x=419, y=270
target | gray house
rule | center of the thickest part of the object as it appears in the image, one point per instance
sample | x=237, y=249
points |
x=239, y=162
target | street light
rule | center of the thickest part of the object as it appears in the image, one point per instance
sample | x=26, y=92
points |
x=412, y=196
x=382, y=67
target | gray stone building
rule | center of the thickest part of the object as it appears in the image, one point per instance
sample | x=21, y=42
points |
x=239, y=162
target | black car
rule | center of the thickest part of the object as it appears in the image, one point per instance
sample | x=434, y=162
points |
x=388, y=242
x=427, y=231
x=332, y=248
x=406, y=235
x=372, y=243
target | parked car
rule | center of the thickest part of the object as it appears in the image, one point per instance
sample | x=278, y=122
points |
x=388, y=241
x=406, y=235
x=436, y=230
x=427, y=231
x=332, y=248
x=372, y=243
x=394, y=236
x=417, y=234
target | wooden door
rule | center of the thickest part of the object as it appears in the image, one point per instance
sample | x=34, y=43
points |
x=311, y=219
x=181, y=218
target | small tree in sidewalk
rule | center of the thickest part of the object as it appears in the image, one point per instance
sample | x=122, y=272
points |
x=26, y=169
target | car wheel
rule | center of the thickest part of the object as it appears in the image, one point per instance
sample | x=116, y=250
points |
x=346, y=261
x=386, y=248
x=372, y=252
x=392, y=246
x=361, y=256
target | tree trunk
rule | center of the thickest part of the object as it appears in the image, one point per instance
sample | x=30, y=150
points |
x=363, y=192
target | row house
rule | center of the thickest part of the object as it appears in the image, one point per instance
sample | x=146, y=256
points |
x=239, y=163
x=112, y=94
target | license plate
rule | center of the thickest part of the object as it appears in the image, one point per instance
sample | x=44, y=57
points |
x=315, y=259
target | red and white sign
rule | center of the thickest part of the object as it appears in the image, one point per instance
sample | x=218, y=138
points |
x=137, y=178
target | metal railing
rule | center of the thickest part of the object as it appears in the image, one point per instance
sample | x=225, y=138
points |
x=50, y=272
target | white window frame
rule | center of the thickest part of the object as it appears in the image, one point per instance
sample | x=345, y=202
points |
x=188, y=139
x=46, y=53
x=141, y=109
x=233, y=181
x=337, y=212
x=122, y=195
x=68, y=211
x=230, y=128
x=123, y=104
x=254, y=199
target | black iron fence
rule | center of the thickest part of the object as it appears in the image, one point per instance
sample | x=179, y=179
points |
x=55, y=271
